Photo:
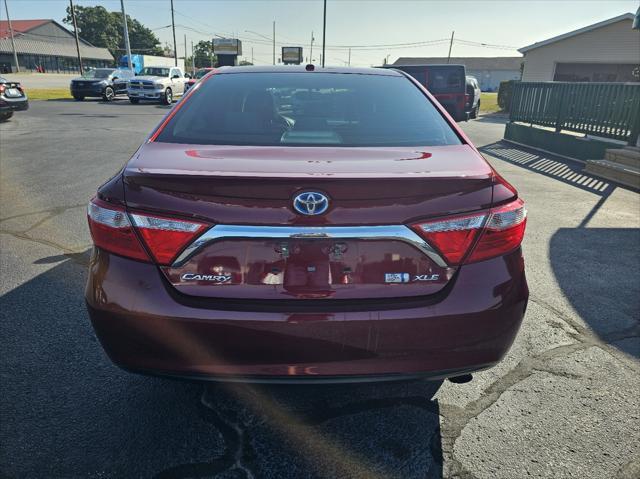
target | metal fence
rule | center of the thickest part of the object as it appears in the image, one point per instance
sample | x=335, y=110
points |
x=608, y=110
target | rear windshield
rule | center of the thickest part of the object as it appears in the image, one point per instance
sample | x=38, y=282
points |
x=308, y=109
x=98, y=73
x=438, y=79
x=155, y=71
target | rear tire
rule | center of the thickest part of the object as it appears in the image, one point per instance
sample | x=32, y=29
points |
x=78, y=97
x=167, y=98
x=135, y=101
x=475, y=111
x=108, y=94
x=6, y=115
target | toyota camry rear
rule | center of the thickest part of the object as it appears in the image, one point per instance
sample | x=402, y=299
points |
x=297, y=224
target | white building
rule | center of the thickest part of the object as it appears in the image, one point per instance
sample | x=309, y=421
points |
x=607, y=51
x=489, y=71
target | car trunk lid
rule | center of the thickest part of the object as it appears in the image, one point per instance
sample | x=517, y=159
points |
x=261, y=248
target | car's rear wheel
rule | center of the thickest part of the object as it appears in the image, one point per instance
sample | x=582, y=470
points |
x=135, y=101
x=78, y=97
x=4, y=116
x=108, y=94
x=474, y=112
x=167, y=98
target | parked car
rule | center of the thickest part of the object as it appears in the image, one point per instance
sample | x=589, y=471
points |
x=161, y=84
x=105, y=83
x=445, y=82
x=472, y=105
x=12, y=98
x=359, y=236
x=197, y=76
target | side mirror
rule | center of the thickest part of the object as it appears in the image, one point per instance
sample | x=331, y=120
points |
x=114, y=78
x=175, y=76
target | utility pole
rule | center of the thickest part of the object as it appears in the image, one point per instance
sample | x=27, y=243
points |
x=185, y=52
x=274, y=42
x=126, y=36
x=252, y=55
x=173, y=27
x=450, y=46
x=13, y=42
x=193, y=60
x=75, y=31
x=324, y=30
x=349, y=56
x=311, y=48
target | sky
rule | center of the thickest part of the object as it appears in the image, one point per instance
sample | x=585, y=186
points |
x=374, y=29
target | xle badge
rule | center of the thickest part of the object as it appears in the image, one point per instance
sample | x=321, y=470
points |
x=426, y=277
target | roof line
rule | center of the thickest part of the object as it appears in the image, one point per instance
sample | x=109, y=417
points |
x=604, y=23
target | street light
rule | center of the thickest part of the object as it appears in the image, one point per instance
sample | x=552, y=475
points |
x=268, y=38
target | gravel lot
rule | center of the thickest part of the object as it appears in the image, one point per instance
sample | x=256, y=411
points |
x=565, y=402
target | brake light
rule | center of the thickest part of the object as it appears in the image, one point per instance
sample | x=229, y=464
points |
x=166, y=237
x=113, y=229
x=1, y=89
x=472, y=238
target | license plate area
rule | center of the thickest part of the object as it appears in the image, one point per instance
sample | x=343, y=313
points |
x=308, y=268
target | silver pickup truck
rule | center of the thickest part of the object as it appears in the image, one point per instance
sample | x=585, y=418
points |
x=161, y=84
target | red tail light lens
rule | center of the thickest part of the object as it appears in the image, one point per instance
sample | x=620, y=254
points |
x=477, y=237
x=111, y=230
x=166, y=237
x=502, y=233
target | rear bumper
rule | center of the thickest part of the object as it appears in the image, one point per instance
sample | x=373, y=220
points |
x=144, y=326
x=96, y=90
x=10, y=104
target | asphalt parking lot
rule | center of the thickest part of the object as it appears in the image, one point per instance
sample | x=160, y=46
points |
x=564, y=403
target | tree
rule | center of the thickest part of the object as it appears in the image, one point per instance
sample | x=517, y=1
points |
x=203, y=54
x=103, y=29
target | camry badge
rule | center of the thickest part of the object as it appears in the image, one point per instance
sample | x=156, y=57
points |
x=216, y=278
x=311, y=203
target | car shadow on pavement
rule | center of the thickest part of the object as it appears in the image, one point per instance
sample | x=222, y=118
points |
x=497, y=118
x=597, y=269
x=68, y=412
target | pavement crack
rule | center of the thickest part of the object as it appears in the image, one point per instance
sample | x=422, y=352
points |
x=234, y=435
x=230, y=459
x=455, y=419
x=77, y=255
x=52, y=212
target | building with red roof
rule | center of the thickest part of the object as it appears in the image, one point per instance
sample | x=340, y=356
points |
x=46, y=45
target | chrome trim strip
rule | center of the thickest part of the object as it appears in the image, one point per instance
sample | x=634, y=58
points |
x=392, y=232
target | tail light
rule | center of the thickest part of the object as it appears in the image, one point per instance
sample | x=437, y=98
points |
x=471, y=238
x=1, y=89
x=114, y=230
x=111, y=230
x=166, y=237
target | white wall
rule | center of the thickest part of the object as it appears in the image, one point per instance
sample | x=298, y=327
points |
x=615, y=43
x=490, y=79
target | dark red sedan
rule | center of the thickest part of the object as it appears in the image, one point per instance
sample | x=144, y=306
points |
x=301, y=224
x=200, y=73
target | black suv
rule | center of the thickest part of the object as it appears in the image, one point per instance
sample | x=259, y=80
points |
x=103, y=83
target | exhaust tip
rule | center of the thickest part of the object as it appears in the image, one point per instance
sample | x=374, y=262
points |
x=465, y=378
